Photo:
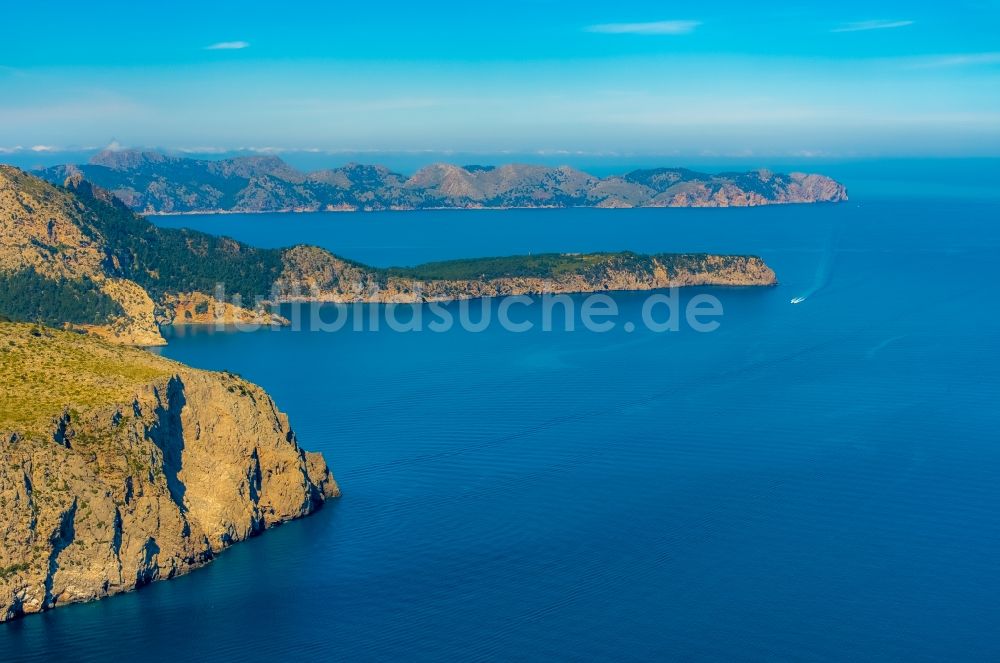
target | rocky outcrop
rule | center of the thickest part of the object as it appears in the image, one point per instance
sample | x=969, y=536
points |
x=153, y=480
x=154, y=183
x=139, y=325
x=196, y=308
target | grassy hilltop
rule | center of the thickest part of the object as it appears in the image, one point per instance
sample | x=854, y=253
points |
x=43, y=371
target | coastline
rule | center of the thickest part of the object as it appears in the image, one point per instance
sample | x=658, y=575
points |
x=445, y=300
x=484, y=208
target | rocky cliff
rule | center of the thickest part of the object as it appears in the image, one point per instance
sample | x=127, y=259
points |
x=154, y=183
x=118, y=468
x=77, y=256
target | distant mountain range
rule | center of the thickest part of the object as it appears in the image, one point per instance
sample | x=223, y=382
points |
x=156, y=183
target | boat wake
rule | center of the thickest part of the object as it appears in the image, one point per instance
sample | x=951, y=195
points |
x=824, y=270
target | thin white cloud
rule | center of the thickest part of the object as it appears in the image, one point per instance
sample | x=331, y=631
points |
x=228, y=46
x=269, y=149
x=862, y=26
x=46, y=149
x=266, y=149
x=205, y=149
x=956, y=60
x=651, y=28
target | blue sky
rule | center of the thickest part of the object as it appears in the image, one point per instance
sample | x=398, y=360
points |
x=727, y=79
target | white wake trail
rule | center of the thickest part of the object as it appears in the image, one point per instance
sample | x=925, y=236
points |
x=824, y=271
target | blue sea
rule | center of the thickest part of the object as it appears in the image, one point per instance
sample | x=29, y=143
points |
x=811, y=482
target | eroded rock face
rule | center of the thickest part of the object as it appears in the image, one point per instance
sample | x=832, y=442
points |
x=119, y=496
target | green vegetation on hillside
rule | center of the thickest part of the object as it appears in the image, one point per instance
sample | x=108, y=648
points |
x=165, y=260
x=29, y=297
x=542, y=265
x=556, y=265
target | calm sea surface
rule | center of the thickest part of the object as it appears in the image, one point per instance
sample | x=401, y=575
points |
x=810, y=482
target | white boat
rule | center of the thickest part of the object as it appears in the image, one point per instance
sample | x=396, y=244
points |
x=798, y=300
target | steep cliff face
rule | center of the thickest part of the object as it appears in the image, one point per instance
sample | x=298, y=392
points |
x=149, y=182
x=118, y=468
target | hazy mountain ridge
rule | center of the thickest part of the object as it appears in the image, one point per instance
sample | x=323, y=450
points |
x=155, y=183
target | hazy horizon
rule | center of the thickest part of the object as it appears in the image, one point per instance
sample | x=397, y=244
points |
x=601, y=165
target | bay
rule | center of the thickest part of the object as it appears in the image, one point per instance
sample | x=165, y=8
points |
x=808, y=482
